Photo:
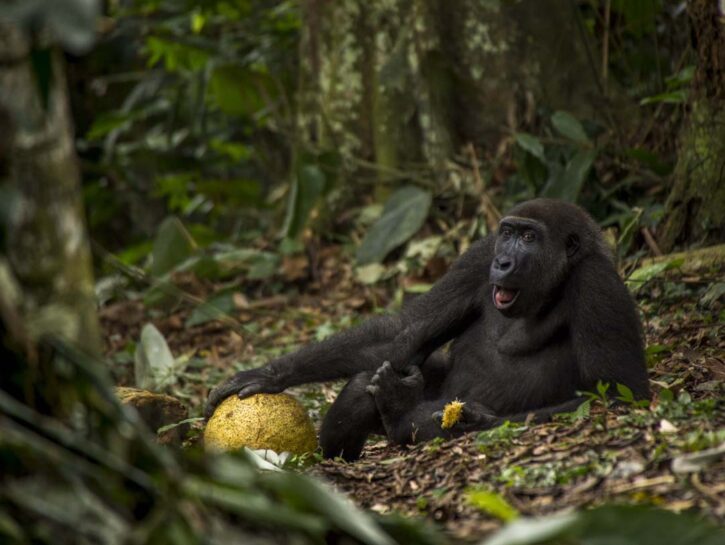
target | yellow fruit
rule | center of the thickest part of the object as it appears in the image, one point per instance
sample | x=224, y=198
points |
x=451, y=414
x=263, y=421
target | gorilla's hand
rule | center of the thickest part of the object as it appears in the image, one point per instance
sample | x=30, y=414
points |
x=262, y=380
x=474, y=417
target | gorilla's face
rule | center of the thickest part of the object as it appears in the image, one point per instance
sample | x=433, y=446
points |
x=524, y=267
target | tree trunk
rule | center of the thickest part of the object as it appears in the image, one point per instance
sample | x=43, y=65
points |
x=695, y=209
x=47, y=245
x=407, y=84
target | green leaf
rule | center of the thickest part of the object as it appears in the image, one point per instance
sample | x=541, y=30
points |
x=173, y=244
x=307, y=187
x=492, y=503
x=175, y=55
x=625, y=393
x=404, y=213
x=106, y=123
x=569, y=184
x=237, y=90
x=678, y=96
x=217, y=307
x=531, y=144
x=569, y=127
x=644, y=274
x=153, y=361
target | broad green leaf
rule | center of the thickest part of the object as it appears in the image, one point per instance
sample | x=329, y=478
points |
x=307, y=187
x=569, y=127
x=568, y=185
x=220, y=306
x=492, y=503
x=153, y=361
x=173, y=244
x=404, y=213
x=531, y=144
x=644, y=274
x=237, y=90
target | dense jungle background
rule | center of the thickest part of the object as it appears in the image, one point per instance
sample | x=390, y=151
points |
x=189, y=188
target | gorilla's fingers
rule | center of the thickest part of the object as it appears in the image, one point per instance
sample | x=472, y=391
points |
x=219, y=394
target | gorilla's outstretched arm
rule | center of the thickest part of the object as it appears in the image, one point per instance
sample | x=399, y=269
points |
x=405, y=339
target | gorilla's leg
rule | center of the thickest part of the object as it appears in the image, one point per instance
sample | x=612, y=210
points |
x=351, y=418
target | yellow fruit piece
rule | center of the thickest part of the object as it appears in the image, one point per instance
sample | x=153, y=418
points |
x=451, y=414
x=263, y=421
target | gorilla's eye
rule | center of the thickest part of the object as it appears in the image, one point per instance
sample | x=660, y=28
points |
x=506, y=232
x=529, y=236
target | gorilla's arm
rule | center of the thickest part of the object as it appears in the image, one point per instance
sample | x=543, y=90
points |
x=406, y=339
x=604, y=328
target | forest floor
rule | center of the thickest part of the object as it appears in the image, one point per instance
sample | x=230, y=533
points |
x=669, y=455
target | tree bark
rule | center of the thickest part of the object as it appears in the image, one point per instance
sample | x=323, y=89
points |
x=406, y=84
x=47, y=244
x=695, y=208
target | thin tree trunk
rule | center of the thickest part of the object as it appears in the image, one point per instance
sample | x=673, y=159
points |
x=47, y=244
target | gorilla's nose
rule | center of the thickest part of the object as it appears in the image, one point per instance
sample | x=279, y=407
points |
x=503, y=264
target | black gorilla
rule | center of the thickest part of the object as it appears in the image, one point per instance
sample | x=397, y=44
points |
x=536, y=313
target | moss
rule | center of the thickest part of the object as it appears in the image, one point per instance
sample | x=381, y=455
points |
x=263, y=421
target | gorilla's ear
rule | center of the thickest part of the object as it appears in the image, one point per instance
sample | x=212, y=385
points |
x=572, y=245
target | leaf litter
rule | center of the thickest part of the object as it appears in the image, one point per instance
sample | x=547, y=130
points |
x=613, y=454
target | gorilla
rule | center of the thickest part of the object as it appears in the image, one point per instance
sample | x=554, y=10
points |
x=535, y=314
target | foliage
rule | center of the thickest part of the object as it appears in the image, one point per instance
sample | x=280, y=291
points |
x=61, y=475
x=404, y=213
x=612, y=524
x=205, y=114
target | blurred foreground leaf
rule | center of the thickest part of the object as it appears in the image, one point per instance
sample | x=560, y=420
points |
x=621, y=525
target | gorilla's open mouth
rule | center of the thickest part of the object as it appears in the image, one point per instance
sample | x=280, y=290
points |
x=503, y=298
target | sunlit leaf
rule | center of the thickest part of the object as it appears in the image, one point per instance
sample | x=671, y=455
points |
x=644, y=274
x=492, y=503
x=404, y=213
x=153, y=361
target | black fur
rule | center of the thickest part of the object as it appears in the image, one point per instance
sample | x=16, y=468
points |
x=571, y=324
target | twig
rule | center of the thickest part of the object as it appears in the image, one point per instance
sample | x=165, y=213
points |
x=651, y=242
x=605, y=42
